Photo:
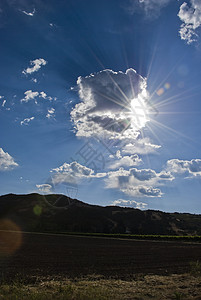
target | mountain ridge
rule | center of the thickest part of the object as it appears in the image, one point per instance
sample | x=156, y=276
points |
x=57, y=212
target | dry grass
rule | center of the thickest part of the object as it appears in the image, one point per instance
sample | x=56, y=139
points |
x=94, y=287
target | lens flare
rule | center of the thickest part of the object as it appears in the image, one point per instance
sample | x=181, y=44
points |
x=162, y=90
x=10, y=237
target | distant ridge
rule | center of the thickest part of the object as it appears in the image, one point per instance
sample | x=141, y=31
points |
x=59, y=213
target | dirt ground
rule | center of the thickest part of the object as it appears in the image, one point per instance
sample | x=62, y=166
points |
x=74, y=256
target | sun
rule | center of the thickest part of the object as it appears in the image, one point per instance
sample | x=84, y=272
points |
x=139, y=112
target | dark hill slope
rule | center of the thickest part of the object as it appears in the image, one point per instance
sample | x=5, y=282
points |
x=36, y=212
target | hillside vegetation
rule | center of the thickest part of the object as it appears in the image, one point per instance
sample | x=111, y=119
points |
x=59, y=213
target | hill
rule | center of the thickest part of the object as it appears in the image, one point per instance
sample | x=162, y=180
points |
x=35, y=212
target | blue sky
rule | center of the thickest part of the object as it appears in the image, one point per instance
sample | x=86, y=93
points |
x=100, y=100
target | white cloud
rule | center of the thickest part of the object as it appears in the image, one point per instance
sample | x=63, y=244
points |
x=68, y=173
x=151, y=8
x=142, y=191
x=45, y=96
x=189, y=167
x=30, y=14
x=143, y=175
x=129, y=203
x=105, y=107
x=191, y=18
x=44, y=188
x=50, y=113
x=4, y=102
x=6, y=161
x=135, y=182
x=126, y=161
x=36, y=65
x=140, y=146
x=29, y=95
x=27, y=121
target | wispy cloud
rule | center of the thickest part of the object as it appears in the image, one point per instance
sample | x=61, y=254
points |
x=27, y=121
x=151, y=8
x=30, y=14
x=190, y=15
x=6, y=161
x=36, y=65
x=4, y=102
x=140, y=146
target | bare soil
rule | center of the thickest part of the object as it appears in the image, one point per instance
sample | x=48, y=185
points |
x=75, y=256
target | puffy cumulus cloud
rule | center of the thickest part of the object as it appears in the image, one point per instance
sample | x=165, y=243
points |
x=151, y=8
x=189, y=167
x=44, y=188
x=105, y=106
x=27, y=121
x=67, y=173
x=29, y=95
x=140, y=146
x=134, y=182
x=6, y=161
x=149, y=174
x=36, y=65
x=126, y=161
x=142, y=191
x=191, y=18
x=143, y=175
x=129, y=203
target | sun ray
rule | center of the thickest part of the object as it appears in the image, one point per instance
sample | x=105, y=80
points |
x=165, y=79
x=176, y=98
x=174, y=132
